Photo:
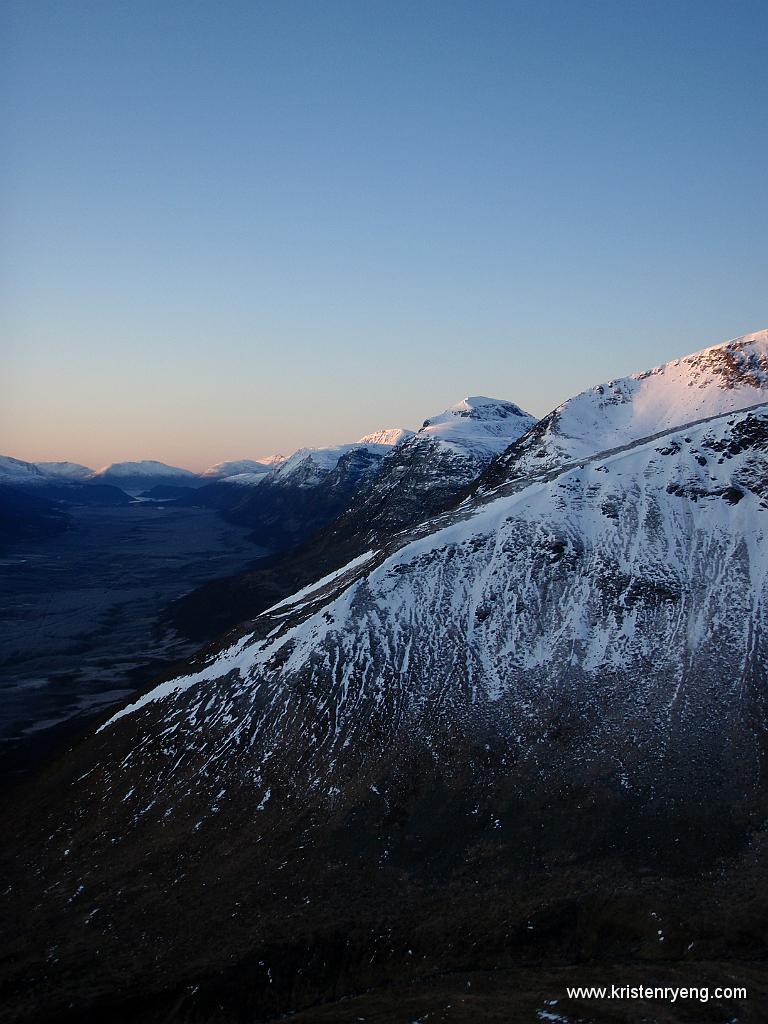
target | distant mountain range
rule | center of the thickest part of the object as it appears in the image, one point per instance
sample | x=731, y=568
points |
x=513, y=709
x=129, y=476
x=296, y=496
x=313, y=487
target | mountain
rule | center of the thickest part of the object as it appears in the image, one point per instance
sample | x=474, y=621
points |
x=135, y=477
x=479, y=427
x=16, y=471
x=430, y=468
x=725, y=377
x=421, y=475
x=302, y=493
x=242, y=471
x=28, y=516
x=72, y=471
x=644, y=558
x=309, y=466
x=389, y=436
x=530, y=730
x=47, y=485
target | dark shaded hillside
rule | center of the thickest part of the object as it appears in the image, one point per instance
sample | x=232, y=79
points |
x=40, y=510
x=93, y=495
x=26, y=517
x=417, y=481
x=283, y=513
x=452, y=890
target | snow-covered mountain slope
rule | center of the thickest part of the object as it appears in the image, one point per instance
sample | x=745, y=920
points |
x=388, y=436
x=242, y=471
x=144, y=468
x=426, y=472
x=234, y=468
x=320, y=515
x=135, y=477
x=16, y=471
x=302, y=493
x=66, y=471
x=725, y=377
x=317, y=527
x=308, y=466
x=57, y=482
x=20, y=472
x=478, y=427
x=633, y=587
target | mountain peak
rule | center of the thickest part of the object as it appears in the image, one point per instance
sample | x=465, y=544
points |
x=386, y=436
x=714, y=381
x=146, y=467
x=66, y=470
x=477, y=407
x=722, y=378
x=478, y=427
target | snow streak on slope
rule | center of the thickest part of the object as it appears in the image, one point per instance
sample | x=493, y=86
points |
x=292, y=601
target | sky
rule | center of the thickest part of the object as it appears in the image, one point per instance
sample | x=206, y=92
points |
x=235, y=228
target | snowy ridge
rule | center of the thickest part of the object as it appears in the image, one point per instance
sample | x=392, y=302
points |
x=136, y=477
x=243, y=479
x=236, y=468
x=308, y=466
x=719, y=379
x=292, y=601
x=387, y=436
x=65, y=471
x=144, y=468
x=16, y=471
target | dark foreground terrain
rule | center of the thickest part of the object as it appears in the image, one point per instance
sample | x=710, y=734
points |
x=442, y=894
x=80, y=622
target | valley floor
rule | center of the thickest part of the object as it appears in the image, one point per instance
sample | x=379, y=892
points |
x=80, y=624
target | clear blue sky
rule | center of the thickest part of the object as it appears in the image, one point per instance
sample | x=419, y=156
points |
x=234, y=228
